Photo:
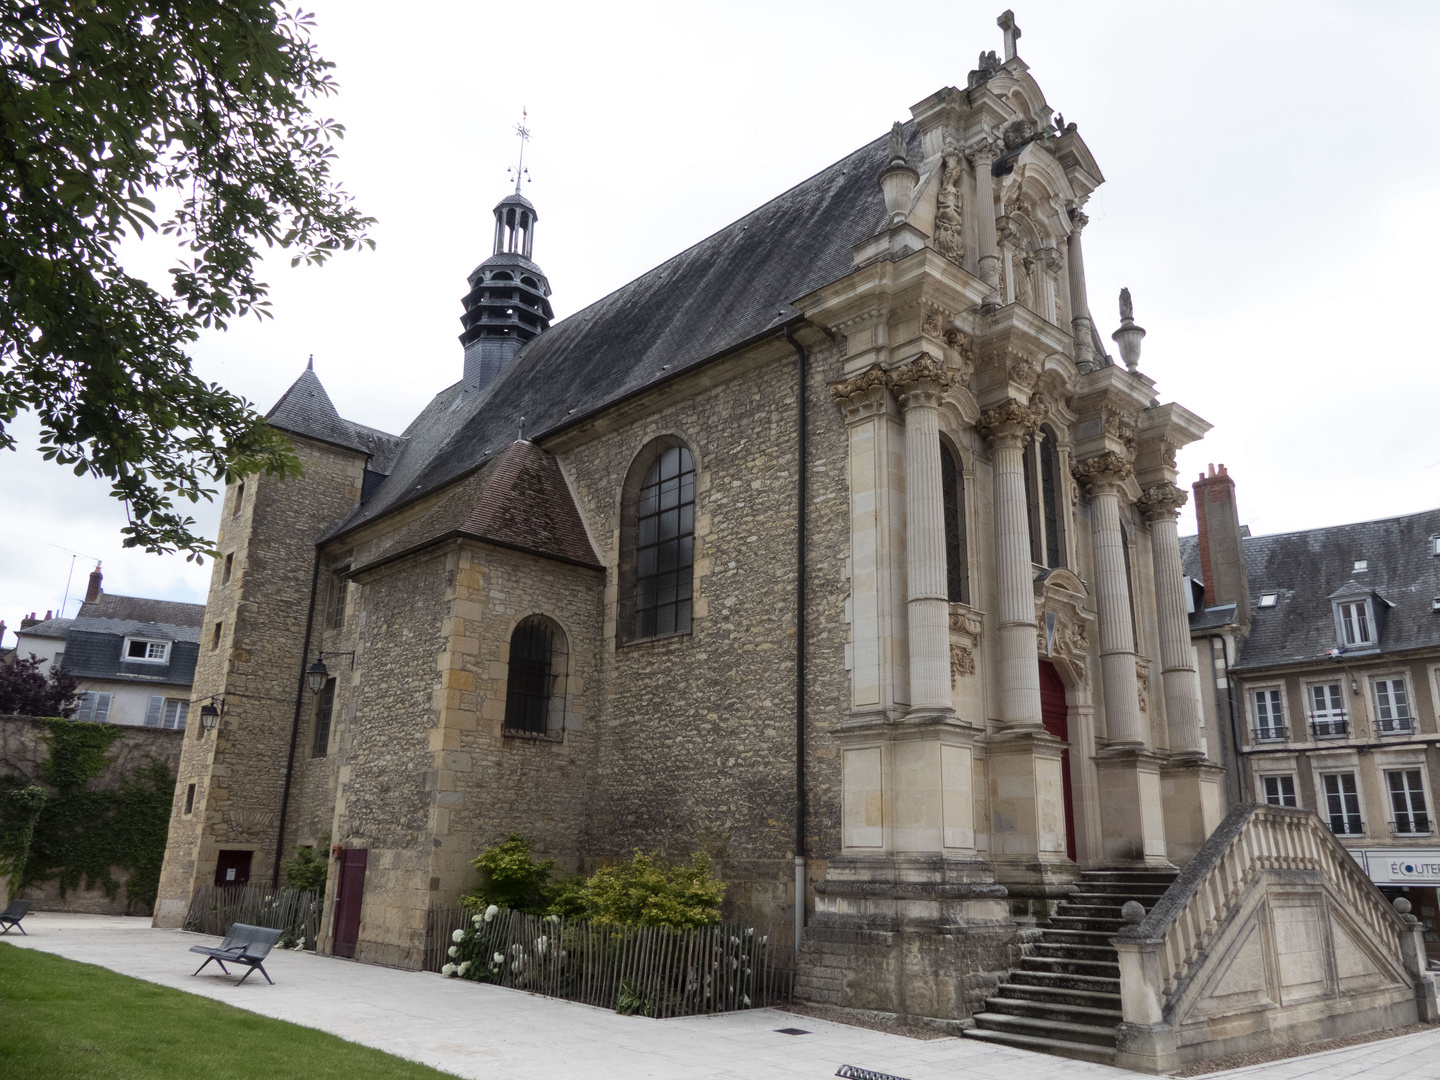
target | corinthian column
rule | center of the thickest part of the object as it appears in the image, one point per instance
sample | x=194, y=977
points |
x=1079, y=304
x=1161, y=505
x=918, y=386
x=982, y=157
x=1103, y=476
x=1007, y=427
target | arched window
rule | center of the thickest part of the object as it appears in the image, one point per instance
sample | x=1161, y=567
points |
x=1042, y=499
x=957, y=556
x=658, y=550
x=535, y=686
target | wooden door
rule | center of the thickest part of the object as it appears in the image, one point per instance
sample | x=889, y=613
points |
x=349, y=890
x=1056, y=716
x=233, y=868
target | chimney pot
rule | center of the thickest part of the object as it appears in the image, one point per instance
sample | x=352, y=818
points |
x=93, y=592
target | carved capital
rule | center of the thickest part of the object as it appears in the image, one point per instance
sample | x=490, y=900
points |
x=982, y=153
x=1078, y=220
x=1161, y=501
x=1009, y=422
x=862, y=394
x=921, y=381
x=1104, y=471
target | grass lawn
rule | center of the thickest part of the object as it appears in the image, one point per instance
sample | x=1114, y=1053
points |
x=61, y=1020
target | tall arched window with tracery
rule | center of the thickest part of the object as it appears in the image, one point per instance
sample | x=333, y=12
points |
x=535, y=683
x=1043, y=492
x=657, y=563
x=957, y=555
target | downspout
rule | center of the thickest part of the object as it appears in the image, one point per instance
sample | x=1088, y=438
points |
x=801, y=497
x=295, y=723
x=1241, y=786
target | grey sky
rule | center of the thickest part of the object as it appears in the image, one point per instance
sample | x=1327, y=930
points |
x=1270, y=177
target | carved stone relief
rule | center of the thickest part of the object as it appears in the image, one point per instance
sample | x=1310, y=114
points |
x=964, y=641
x=948, y=210
x=1142, y=683
x=1121, y=425
x=861, y=394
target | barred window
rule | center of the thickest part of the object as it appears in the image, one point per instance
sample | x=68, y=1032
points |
x=957, y=559
x=324, y=707
x=661, y=559
x=534, y=686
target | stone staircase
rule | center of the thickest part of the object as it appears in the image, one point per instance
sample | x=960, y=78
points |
x=1064, y=998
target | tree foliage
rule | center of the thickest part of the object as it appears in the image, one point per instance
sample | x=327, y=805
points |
x=308, y=868
x=26, y=689
x=108, y=108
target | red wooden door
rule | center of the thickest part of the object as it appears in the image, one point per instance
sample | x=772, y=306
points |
x=348, y=892
x=233, y=868
x=1056, y=716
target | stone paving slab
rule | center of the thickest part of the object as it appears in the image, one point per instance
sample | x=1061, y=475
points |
x=488, y=1033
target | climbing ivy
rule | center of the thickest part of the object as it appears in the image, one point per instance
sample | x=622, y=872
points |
x=82, y=834
x=20, y=806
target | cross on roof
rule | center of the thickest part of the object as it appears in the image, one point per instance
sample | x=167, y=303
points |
x=521, y=173
x=1007, y=23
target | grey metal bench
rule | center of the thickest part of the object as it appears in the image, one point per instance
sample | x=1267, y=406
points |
x=244, y=945
x=12, y=915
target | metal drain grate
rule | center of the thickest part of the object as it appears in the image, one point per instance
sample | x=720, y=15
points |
x=854, y=1072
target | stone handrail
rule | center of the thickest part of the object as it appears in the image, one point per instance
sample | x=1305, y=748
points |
x=1252, y=839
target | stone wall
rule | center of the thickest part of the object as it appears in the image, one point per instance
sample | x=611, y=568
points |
x=251, y=655
x=23, y=751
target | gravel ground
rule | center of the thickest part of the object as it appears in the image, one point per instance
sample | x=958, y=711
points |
x=1239, y=1061
x=873, y=1020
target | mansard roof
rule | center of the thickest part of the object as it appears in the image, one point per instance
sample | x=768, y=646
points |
x=728, y=290
x=526, y=504
x=1309, y=570
x=306, y=409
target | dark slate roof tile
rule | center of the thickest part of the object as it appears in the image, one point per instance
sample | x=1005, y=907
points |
x=46, y=628
x=306, y=409
x=527, y=504
x=141, y=609
x=91, y=655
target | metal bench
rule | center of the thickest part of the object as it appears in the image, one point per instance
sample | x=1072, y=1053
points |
x=12, y=915
x=245, y=945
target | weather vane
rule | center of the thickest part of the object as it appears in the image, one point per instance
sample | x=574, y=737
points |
x=519, y=171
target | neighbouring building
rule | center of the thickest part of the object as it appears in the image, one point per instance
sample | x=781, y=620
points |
x=838, y=544
x=43, y=639
x=1325, y=646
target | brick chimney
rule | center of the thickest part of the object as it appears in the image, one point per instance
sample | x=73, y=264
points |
x=27, y=621
x=1222, y=556
x=93, y=592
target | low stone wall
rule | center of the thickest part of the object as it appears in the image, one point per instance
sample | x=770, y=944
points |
x=23, y=751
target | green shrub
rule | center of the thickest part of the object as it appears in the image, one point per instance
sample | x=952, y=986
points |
x=309, y=867
x=511, y=878
x=650, y=891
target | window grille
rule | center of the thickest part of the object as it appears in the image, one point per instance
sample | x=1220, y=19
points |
x=1327, y=711
x=1392, y=707
x=1407, y=802
x=1269, y=716
x=665, y=546
x=324, y=709
x=1280, y=791
x=957, y=561
x=529, y=684
x=1342, y=804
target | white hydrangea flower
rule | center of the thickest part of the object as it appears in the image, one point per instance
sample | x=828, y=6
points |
x=498, y=958
x=454, y=950
x=448, y=970
x=463, y=968
x=541, y=944
x=491, y=912
x=477, y=921
x=458, y=936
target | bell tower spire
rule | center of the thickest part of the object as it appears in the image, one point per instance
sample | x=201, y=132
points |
x=509, y=298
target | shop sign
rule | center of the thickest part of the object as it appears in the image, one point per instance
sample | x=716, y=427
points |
x=1403, y=866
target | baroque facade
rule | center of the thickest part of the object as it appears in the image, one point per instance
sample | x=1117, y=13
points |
x=837, y=544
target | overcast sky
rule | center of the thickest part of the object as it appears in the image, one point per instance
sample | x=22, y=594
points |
x=1270, y=177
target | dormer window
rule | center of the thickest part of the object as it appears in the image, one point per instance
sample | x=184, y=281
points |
x=1269, y=599
x=1357, y=624
x=1361, y=566
x=147, y=651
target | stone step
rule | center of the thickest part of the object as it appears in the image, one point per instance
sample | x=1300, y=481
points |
x=1094, y=1034
x=1055, y=1010
x=1126, y=890
x=1060, y=1047
x=1065, y=980
x=1071, y=966
x=1103, y=953
x=1108, y=927
x=1145, y=876
x=1059, y=995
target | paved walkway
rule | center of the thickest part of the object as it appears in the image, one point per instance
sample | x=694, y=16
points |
x=488, y=1033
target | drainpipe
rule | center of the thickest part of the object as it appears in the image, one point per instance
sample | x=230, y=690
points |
x=295, y=723
x=1241, y=787
x=800, y=497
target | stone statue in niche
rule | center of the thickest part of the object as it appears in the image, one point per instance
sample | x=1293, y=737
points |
x=1023, y=266
x=948, y=220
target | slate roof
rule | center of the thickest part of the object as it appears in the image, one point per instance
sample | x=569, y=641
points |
x=526, y=504
x=169, y=620
x=91, y=655
x=306, y=409
x=46, y=628
x=1305, y=569
x=729, y=289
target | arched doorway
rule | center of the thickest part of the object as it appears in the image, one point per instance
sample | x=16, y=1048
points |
x=1055, y=714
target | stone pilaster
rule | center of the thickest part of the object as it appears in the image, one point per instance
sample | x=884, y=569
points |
x=1161, y=505
x=1007, y=427
x=982, y=157
x=919, y=386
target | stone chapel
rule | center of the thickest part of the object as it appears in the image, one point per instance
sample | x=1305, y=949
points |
x=839, y=543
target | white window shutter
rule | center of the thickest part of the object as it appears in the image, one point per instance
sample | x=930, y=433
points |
x=154, y=711
x=102, y=708
x=86, y=710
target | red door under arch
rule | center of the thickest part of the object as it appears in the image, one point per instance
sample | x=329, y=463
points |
x=1055, y=714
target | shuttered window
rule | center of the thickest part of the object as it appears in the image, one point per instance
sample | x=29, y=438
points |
x=94, y=707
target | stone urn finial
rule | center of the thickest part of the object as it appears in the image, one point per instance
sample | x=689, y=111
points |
x=1132, y=913
x=898, y=180
x=1129, y=336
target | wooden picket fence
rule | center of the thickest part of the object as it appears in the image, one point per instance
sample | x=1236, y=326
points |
x=215, y=908
x=647, y=970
